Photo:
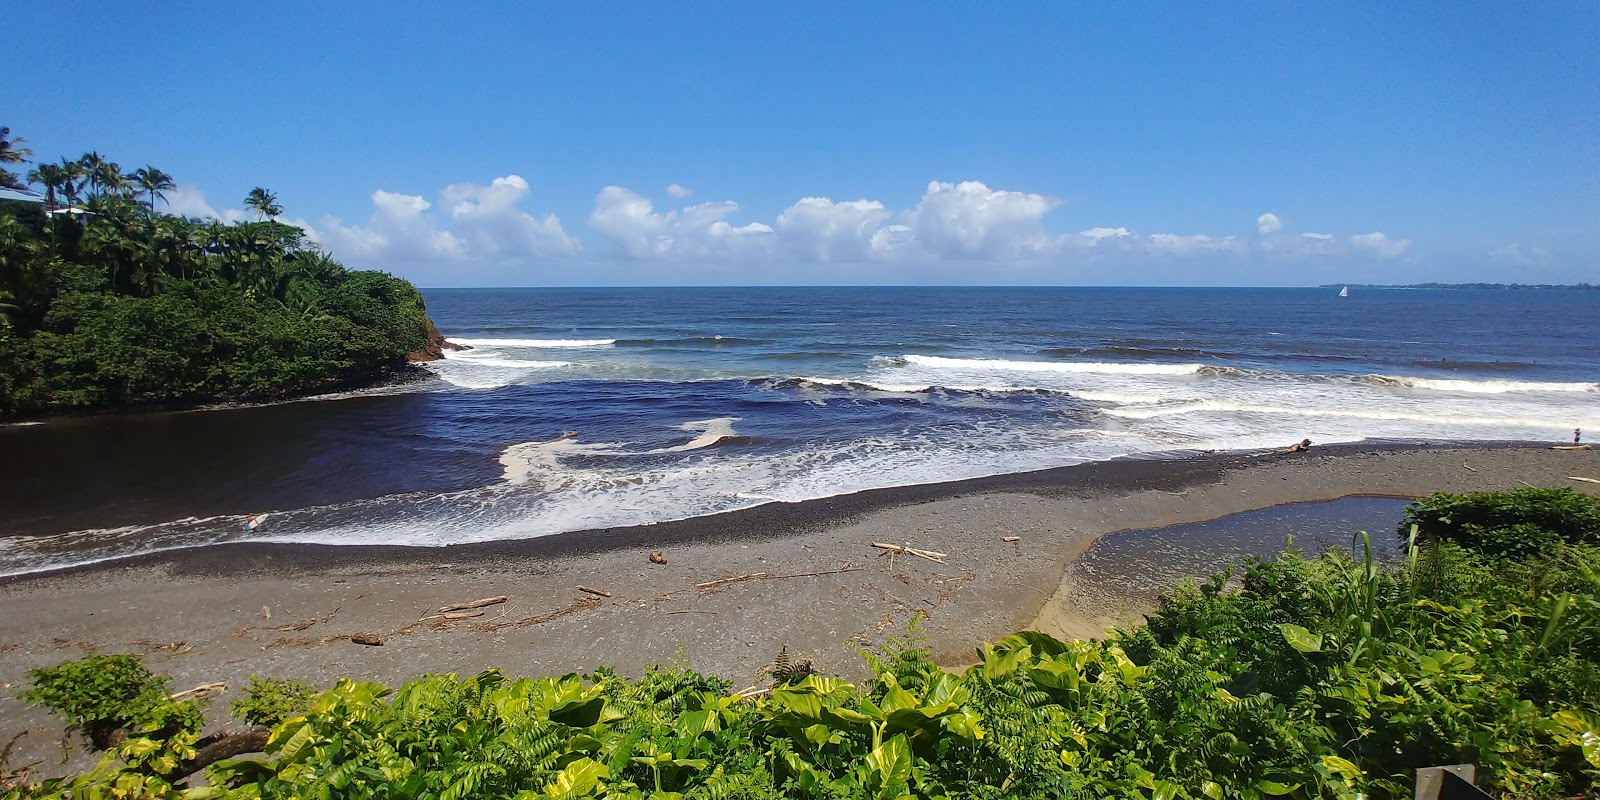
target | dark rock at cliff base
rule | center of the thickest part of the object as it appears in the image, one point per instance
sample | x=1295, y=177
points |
x=435, y=347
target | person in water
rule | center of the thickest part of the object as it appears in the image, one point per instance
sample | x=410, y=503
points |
x=250, y=522
x=1301, y=447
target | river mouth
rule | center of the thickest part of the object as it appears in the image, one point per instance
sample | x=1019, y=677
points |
x=1123, y=575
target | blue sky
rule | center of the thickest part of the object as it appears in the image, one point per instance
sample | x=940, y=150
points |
x=541, y=144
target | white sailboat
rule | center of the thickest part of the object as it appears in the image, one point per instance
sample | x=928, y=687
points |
x=1345, y=292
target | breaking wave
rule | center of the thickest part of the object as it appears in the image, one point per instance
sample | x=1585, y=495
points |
x=558, y=343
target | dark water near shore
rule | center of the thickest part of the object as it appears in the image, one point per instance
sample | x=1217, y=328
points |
x=694, y=401
x=1133, y=568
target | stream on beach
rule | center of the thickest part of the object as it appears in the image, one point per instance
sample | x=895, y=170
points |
x=1124, y=574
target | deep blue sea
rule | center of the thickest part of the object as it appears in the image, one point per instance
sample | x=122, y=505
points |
x=693, y=401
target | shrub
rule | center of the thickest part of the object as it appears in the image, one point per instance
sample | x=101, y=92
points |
x=270, y=701
x=1518, y=523
x=101, y=694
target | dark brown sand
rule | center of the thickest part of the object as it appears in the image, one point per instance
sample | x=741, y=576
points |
x=202, y=615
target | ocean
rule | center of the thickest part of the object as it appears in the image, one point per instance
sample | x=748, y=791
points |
x=595, y=408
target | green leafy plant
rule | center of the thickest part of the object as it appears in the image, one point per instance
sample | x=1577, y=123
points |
x=1330, y=677
x=102, y=694
x=270, y=701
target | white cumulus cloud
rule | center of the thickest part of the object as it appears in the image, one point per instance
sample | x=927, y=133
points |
x=818, y=229
x=1519, y=255
x=629, y=221
x=1268, y=223
x=678, y=190
x=968, y=220
x=1379, y=244
x=472, y=222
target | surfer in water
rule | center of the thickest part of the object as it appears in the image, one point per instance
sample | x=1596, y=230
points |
x=251, y=521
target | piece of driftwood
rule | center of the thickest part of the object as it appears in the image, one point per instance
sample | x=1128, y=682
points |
x=266, y=613
x=720, y=581
x=454, y=616
x=303, y=624
x=1573, y=447
x=593, y=591
x=1585, y=480
x=911, y=551
x=368, y=639
x=487, y=601
x=764, y=576
x=540, y=619
x=691, y=611
x=201, y=691
x=657, y=558
x=1011, y=538
x=1468, y=467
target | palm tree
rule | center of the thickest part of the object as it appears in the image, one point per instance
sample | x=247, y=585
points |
x=11, y=153
x=153, y=182
x=264, y=203
x=53, y=178
x=111, y=180
x=91, y=163
x=72, y=179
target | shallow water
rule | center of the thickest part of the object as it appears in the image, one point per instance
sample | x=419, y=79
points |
x=1124, y=573
x=694, y=401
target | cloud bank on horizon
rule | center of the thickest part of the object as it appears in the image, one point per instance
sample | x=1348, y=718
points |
x=470, y=225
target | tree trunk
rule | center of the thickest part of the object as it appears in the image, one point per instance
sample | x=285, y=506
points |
x=217, y=747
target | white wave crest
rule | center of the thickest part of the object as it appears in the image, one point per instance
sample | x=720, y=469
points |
x=541, y=461
x=1094, y=367
x=535, y=342
x=1213, y=406
x=1481, y=387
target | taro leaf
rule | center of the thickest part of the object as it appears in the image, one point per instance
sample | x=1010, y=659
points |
x=996, y=665
x=891, y=760
x=580, y=777
x=1274, y=788
x=1585, y=730
x=1301, y=639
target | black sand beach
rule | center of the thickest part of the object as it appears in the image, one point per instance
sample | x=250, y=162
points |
x=226, y=612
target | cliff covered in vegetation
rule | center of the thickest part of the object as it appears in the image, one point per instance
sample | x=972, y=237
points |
x=105, y=302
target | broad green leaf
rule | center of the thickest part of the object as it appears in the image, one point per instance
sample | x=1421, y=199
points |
x=891, y=760
x=1301, y=639
x=1274, y=788
x=997, y=665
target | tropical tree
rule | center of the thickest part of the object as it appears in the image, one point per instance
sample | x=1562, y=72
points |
x=153, y=182
x=264, y=203
x=112, y=181
x=11, y=152
x=73, y=178
x=91, y=164
x=54, y=180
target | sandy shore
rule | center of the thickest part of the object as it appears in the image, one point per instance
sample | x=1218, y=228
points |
x=201, y=615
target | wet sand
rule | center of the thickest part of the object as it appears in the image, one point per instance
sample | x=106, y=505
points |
x=202, y=615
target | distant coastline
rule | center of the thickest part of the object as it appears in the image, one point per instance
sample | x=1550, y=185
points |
x=1581, y=287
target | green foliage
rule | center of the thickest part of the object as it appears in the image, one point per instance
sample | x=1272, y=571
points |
x=122, y=305
x=269, y=701
x=1331, y=677
x=101, y=694
x=1520, y=522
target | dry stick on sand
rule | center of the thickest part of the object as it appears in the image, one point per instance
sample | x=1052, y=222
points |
x=1011, y=538
x=303, y=624
x=1585, y=480
x=1467, y=467
x=203, y=690
x=487, y=601
x=895, y=548
x=762, y=576
x=590, y=590
x=453, y=617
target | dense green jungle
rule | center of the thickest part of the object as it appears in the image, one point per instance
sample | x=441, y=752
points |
x=108, y=303
x=1296, y=677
